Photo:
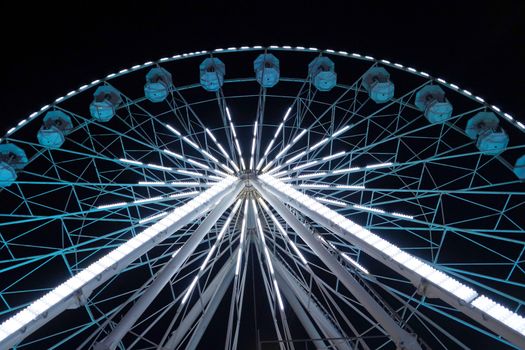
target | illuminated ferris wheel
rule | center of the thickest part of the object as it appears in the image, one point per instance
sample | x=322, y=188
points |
x=380, y=208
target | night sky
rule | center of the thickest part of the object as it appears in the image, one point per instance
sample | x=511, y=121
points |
x=48, y=50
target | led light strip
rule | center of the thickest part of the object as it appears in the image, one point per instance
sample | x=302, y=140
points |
x=422, y=269
x=149, y=200
x=202, y=151
x=224, y=153
x=284, y=150
x=241, y=241
x=344, y=255
x=268, y=148
x=174, y=183
x=210, y=252
x=308, y=150
x=361, y=207
x=239, y=151
x=267, y=254
x=282, y=230
x=253, y=144
x=336, y=171
x=378, y=247
x=259, y=47
x=61, y=297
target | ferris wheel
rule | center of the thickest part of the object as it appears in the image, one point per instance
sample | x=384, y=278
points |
x=372, y=206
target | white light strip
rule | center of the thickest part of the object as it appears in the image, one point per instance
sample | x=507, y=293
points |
x=223, y=151
x=185, y=183
x=253, y=144
x=297, y=251
x=350, y=187
x=331, y=201
x=145, y=200
x=356, y=206
x=176, y=252
x=130, y=161
x=153, y=217
x=380, y=165
x=402, y=215
x=102, y=269
x=199, y=164
x=208, y=257
x=280, y=173
x=298, y=137
x=159, y=167
x=375, y=244
x=184, y=194
x=190, y=142
x=282, y=230
x=190, y=289
x=318, y=144
x=287, y=113
x=333, y=156
x=213, y=177
x=314, y=186
x=314, y=147
x=191, y=173
x=238, y=147
x=278, y=293
x=306, y=165
x=282, y=152
x=152, y=183
x=173, y=154
x=500, y=313
x=281, y=125
x=305, y=176
x=355, y=263
x=347, y=170
x=205, y=153
x=107, y=206
x=234, y=165
x=173, y=130
x=238, y=264
x=211, y=157
x=211, y=135
x=340, y=131
x=297, y=156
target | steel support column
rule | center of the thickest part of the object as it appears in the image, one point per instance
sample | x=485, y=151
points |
x=426, y=287
x=168, y=271
x=293, y=290
x=208, y=303
x=402, y=338
x=303, y=316
x=73, y=292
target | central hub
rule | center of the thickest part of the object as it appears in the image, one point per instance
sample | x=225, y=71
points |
x=248, y=175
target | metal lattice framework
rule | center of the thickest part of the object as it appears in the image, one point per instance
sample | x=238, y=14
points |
x=372, y=224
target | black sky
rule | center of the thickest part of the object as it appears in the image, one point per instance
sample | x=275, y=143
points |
x=49, y=49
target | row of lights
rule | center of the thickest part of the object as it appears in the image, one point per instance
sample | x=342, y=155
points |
x=41, y=307
x=258, y=47
x=439, y=279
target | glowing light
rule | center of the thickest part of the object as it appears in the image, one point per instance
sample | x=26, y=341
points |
x=130, y=161
x=190, y=289
x=173, y=130
x=333, y=156
x=159, y=167
x=113, y=205
x=151, y=218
